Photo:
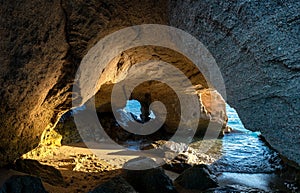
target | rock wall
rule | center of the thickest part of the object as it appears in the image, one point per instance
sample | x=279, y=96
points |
x=42, y=43
x=257, y=47
x=33, y=51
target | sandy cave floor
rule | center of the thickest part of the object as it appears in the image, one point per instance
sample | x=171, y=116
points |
x=82, y=168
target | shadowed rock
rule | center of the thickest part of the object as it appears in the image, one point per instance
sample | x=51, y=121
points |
x=23, y=184
x=47, y=173
x=149, y=180
x=196, y=178
x=115, y=185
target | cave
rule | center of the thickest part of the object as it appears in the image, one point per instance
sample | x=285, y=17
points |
x=254, y=44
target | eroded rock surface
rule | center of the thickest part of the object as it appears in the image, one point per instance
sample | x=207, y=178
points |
x=208, y=101
x=47, y=173
x=33, y=51
x=42, y=44
x=149, y=180
x=256, y=45
x=115, y=185
x=196, y=178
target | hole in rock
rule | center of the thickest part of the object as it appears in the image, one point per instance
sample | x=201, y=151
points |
x=134, y=108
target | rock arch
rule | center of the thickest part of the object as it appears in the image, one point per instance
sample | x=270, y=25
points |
x=212, y=105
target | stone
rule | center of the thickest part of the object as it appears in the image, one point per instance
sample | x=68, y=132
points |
x=47, y=173
x=149, y=180
x=23, y=184
x=178, y=164
x=114, y=185
x=196, y=178
x=179, y=156
x=227, y=130
x=66, y=127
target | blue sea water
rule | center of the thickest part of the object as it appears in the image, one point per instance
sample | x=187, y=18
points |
x=242, y=150
x=247, y=161
x=134, y=107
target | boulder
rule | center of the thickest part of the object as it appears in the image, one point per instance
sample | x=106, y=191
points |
x=114, y=185
x=149, y=180
x=196, y=178
x=23, y=184
x=178, y=164
x=180, y=156
x=47, y=173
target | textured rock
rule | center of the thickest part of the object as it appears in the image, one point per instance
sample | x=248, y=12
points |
x=150, y=180
x=115, y=185
x=23, y=184
x=33, y=48
x=42, y=43
x=211, y=104
x=47, y=173
x=196, y=178
x=256, y=45
x=178, y=164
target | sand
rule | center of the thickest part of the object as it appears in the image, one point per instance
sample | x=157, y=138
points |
x=83, y=168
